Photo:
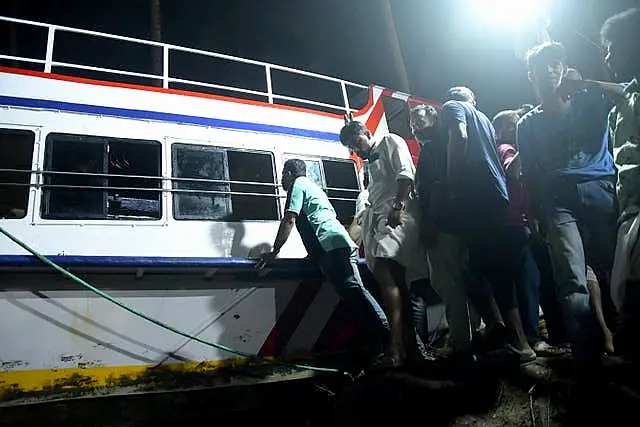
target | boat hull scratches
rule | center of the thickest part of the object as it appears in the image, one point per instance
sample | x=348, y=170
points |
x=78, y=383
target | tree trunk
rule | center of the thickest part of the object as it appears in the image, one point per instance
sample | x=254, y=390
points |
x=156, y=35
x=396, y=52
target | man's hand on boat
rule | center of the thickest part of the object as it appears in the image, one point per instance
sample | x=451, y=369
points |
x=264, y=259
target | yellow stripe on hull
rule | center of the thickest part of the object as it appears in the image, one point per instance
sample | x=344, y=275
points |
x=24, y=383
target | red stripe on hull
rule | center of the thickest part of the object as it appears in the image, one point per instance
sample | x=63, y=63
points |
x=341, y=332
x=290, y=318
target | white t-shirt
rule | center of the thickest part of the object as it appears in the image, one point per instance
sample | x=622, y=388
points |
x=362, y=203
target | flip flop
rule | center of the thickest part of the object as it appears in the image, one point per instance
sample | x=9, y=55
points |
x=508, y=354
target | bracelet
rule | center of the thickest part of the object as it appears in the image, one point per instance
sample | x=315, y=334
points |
x=398, y=205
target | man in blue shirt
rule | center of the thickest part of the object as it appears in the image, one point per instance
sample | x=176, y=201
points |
x=477, y=186
x=569, y=181
x=328, y=243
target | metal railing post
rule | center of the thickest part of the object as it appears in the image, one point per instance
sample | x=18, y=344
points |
x=267, y=70
x=49, y=55
x=165, y=67
x=345, y=97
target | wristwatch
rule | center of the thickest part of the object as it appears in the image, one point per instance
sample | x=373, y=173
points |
x=398, y=205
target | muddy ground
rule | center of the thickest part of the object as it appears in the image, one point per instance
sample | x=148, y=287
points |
x=545, y=393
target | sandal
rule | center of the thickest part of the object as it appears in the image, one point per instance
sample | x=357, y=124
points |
x=508, y=354
x=546, y=350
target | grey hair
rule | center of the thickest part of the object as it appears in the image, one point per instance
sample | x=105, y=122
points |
x=462, y=93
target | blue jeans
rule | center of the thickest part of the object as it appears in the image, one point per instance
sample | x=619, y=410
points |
x=548, y=292
x=341, y=269
x=580, y=220
x=527, y=278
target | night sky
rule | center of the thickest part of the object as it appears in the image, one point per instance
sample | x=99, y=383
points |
x=443, y=42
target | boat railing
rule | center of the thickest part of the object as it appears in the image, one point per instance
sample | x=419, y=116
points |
x=159, y=187
x=346, y=90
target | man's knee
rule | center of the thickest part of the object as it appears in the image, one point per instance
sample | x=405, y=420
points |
x=571, y=286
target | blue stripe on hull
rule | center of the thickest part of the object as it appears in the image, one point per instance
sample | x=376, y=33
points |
x=151, y=262
x=165, y=117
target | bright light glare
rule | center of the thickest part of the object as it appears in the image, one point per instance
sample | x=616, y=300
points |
x=513, y=14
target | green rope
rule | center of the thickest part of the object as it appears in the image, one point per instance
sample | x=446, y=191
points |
x=157, y=322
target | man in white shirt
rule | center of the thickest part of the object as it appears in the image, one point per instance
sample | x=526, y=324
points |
x=389, y=230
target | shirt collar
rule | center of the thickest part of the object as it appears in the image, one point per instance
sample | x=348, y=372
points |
x=375, y=142
x=631, y=86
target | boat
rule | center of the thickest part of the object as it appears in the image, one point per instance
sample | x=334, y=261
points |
x=133, y=205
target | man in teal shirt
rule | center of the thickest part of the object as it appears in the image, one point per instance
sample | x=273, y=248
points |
x=328, y=243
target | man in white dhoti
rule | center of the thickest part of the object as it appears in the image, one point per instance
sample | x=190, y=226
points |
x=389, y=230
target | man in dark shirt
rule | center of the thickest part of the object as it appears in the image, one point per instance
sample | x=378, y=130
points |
x=477, y=185
x=569, y=181
x=447, y=256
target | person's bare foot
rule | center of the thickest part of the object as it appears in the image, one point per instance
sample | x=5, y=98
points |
x=608, y=342
x=508, y=354
x=389, y=359
x=524, y=355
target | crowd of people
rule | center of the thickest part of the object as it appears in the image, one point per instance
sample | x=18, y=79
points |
x=535, y=210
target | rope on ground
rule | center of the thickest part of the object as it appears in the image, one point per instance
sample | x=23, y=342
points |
x=532, y=411
x=153, y=320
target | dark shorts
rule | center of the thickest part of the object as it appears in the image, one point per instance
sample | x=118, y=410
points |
x=479, y=219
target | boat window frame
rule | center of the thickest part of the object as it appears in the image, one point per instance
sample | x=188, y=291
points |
x=103, y=176
x=229, y=182
x=14, y=170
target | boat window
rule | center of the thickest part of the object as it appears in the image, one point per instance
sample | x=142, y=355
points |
x=342, y=187
x=213, y=183
x=16, y=153
x=91, y=177
x=313, y=172
x=257, y=169
x=200, y=190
